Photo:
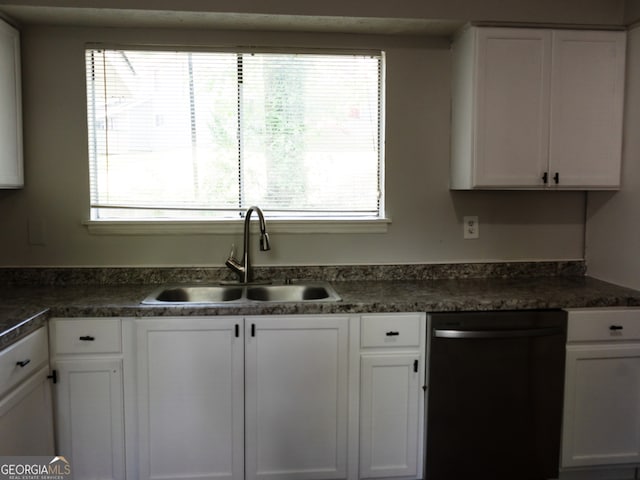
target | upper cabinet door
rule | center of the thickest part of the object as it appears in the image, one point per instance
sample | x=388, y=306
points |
x=511, y=110
x=586, y=107
x=537, y=108
x=11, y=174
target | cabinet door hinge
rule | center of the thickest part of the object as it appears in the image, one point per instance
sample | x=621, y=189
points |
x=53, y=376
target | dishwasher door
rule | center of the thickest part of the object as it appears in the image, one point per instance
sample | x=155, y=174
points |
x=495, y=395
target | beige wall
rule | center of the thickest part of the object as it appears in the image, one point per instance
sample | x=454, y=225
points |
x=613, y=229
x=632, y=11
x=426, y=215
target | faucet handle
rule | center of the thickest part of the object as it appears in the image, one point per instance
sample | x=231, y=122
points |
x=232, y=262
x=232, y=252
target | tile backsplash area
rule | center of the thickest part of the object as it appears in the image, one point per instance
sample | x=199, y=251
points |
x=60, y=276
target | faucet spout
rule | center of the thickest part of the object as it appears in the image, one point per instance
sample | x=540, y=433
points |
x=243, y=268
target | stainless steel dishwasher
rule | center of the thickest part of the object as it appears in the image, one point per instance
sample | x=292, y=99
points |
x=495, y=390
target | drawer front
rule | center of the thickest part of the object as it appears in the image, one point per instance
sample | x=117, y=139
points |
x=603, y=324
x=390, y=331
x=86, y=335
x=23, y=358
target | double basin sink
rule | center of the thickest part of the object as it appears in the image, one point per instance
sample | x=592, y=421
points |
x=211, y=294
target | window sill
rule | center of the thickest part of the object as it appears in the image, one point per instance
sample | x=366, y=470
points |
x=222, y=227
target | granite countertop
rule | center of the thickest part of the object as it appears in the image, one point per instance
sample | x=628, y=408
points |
x=18, y=321
x=22, y=303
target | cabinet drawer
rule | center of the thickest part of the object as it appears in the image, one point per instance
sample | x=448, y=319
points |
x=603, y=324
x=86, y=335
x=390, y=331
x=23, y=358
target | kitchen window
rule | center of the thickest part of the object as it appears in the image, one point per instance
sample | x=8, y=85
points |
x=202, y=135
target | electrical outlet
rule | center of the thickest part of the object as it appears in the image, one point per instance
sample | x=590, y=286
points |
x=471, y=227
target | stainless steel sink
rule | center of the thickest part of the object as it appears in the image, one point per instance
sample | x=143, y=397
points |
x=292, y=293
x=199, y=294
x=215, y=294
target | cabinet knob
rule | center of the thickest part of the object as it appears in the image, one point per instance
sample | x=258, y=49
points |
x=87, y=338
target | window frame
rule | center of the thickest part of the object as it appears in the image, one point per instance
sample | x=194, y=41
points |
x=370, y=224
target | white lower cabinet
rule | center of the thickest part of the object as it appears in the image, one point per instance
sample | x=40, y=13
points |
x=274, y=397
x=601, y=427
x=389, y=416
x=26, y=414
x=392, y=373
x=603, y=423
x=296, y=397
x=190, y=398
x=89, y=403
x=90, y=422
x=26, y=424
x=198, y=378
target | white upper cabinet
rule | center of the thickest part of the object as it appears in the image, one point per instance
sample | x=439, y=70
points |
x=537, y=108
x=587, y=92
x=11, y=174
x=501, y=81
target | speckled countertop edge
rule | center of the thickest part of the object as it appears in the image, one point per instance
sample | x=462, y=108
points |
x=18, y=322
x=37, y=303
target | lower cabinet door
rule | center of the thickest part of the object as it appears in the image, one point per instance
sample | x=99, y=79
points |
x=26, y=418
x=190, y=398
x=296, y=397
x=602, y=405
x=389, y=415
x=90, y=417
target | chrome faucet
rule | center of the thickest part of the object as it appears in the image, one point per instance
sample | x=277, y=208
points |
x=243, y=269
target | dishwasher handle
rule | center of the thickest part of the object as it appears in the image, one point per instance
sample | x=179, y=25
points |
x=530, y=332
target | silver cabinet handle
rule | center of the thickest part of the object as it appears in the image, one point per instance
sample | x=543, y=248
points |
x=533, y=332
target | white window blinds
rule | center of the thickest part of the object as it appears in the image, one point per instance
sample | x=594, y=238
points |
x=204, y=135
